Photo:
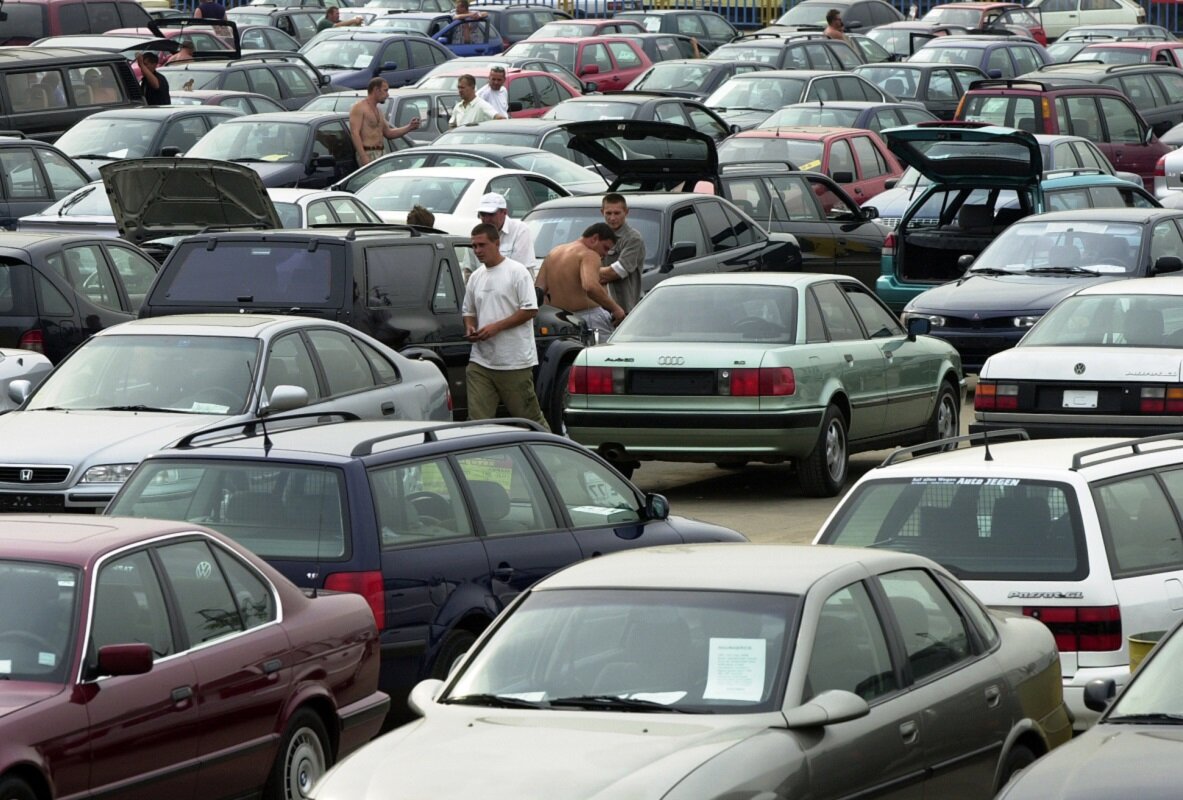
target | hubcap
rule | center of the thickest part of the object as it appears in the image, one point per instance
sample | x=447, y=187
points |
x=305, y=763
x=946, y=419
x=835, y=451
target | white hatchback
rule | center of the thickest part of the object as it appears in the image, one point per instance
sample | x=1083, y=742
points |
x=1083, y=534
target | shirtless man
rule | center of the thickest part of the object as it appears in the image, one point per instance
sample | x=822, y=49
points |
x=368, y=125
x=570, y=278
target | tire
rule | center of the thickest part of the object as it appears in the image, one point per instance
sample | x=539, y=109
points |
x=946, y=417
x=456, y=643
x=1019, y=757
x=822, y=473
x=558, y=401
x=303, y=758
x=16, y=789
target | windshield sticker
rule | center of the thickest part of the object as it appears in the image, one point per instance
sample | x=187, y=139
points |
x=665, y=698
x=208, y=408
x=1112, y=268
x=274, y=157
x=1078, y=227
x=967, y=481
x=808, y=165
x=5, y=666
x=529, y=697
x=46, y=659
x=735, y=670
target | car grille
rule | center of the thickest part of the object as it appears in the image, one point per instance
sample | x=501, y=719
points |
x=1007, y=322
x=31, y=502
x=33, y=474
x=672, y=382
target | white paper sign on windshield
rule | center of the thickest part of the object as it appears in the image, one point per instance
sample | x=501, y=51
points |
x=735, y=670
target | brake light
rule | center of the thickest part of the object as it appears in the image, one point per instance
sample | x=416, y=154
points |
x=991, y=396
x=1046, y=105
x=1161, y=400
x=590, y=380
x=889, y=244
x=960, y=108
x=448, y=392
x=32, y=340
x=1077, y=629
x=762, y=382
x=1160, y=167
x=368, y=584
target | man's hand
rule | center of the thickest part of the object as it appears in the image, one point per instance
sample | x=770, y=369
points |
x=618, y=315
x=413, y=124
x=484, y=333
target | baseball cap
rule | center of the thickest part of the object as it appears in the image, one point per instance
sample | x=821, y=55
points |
x=491, y=203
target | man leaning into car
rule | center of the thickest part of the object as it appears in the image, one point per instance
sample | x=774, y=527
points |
x=621, y=270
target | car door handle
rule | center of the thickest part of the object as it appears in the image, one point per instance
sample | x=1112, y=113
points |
x=993, y=695
x=272, y=666
x=181, y=694
x=909, y=732
x=387, y=409
x=503, y=572
x=849, y=358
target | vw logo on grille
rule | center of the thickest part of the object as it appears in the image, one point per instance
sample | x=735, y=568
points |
x=26, y=475
x=671, y=361
x=1079, y=369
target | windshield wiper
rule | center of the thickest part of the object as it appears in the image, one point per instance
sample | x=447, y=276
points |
x=140, y=408
x=1062, y=271
x=1142, y=719
x=330, y=66
x=611, y=702
x=77, y=199
x=988, y=271
x=494, y=700
x=102, y=156
x=743, y=108
x=247, y=160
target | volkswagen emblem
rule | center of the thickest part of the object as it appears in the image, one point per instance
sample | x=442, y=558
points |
x=26, y=475
x=1079, y=368
x=671, y=361
x=204, y=570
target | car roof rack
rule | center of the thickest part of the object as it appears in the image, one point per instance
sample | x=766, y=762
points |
x=248, y=428
x=1009, y=83
x=353, y=227
x=429, y=433
x=745, y=167
x=944, y=445
x=1068, y=172
x=1135, y=445
x=12, y=135
x=1153, y=65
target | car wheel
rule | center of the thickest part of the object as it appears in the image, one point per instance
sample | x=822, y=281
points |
x=456, y=643
x=558, y=401
x=302, y=760
x=1018, y=758
x=16, y=789
x=823, y=472
x=946, y=419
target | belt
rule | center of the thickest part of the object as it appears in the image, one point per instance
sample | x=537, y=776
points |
x=372, y=149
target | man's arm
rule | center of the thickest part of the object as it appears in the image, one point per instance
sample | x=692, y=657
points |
x=519, y=317
x=589, y=275
x=391, y=132
x=148, y=73
x=356, y=120
x=629, y=258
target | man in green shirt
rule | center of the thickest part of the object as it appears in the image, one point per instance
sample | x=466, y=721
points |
x=332, y=19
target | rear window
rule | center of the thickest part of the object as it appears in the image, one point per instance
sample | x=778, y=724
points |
x=1013, y=112
x=286, y=274
x=977, y=528
x=24, y=24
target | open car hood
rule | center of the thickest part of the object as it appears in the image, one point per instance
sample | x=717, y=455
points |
x=223, y=28
x=968, y=154
x=655, y=155
x=156, y=197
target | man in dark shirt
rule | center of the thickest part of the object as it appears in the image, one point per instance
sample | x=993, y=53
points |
x=153, y=84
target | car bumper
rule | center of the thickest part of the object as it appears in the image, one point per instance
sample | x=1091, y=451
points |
x=897, y=293
x=975, y=346
x=689, y=436
x=1055, y=426
x=361, y=721
x=1083, y=717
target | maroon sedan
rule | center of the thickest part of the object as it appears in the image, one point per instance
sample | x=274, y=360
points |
x=157, y=660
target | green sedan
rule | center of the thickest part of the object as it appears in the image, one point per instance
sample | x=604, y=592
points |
x=763, y=367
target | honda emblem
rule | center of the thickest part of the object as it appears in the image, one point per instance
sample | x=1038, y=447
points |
x=26, y=475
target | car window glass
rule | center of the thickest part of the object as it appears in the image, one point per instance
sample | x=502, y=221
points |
x=522, y=91
x=751, y=196
x=592, y=493
x=235, y=81
x=794, y=58
x=815, y=330
x=597, y=54
x=839, y=318
x=184, y=133
x=745, y=232
x=1026, y=59
x=22, y=179
x=540, y=191
x=844, y=55
x=419, y=504
x=687, y=230
x=253, y=40
x=979, y=618
x=334, y=140
x=252, y=596
x=103, y=16
x=689, y=25
x=295, y=82
x=517, y=200
x=1082, y=117
x=507, y=497
x=1091, y=157
x=1139, y=524
x=1000, y=61
x=387, y=373
x=797, y=197
x=626, y=57
x=72, y=18
x=50, y=302
x=849, y=648
x=823, y=90
x=717, y=27
x=1121, y=121
x=669, y=112
x=388, y=280
x=129, y=606
x=941, y=86
x=345, y=368
x=304, y=26
x=517, y=24
x=883, y=120
x=96, y=85
x=87, y=271
x=319, y=213
x=548, y=91
x=870, y=161
x=289, y=364
x=348, y=210
x=1064, y=157
x=878, y=321
x=444, y=299
x=934, y=634
x=136, y=272
x=1172, y=84
x=264, y=82
x=205, y=606
x=718, y=231
x=1165, y=241
x=1067, y=199
x=841, y=159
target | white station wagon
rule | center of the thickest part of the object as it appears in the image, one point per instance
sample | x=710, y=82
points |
x=1082, y=534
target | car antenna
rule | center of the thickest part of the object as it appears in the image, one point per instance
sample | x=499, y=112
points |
x=986, y=443
x=250, y=371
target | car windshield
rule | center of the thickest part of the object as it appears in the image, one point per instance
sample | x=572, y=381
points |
x=1110, y=320
x=342, y=53
x=1108, y=248
x=404, y=25
x=109, y=138
x=901, y=82
x=674, y=77
x=969, y=17
x=38, y=620
x=971, y=56
x=189, y=79
x=1064, y=51
x=761, y=54
x=566, y=173
x=743, y=313
x=635, y=651
x=1156, y=693
x=802, y=153
x=248, y=19
x=979, y=528
x=254, y=141
x=561, y=52
x=552, y=30
x=1113, y=55
x=806, y=14
x=275, y=510
x=397, y=5
x=289, y=214
x=552, y=227
x=592, y=109
x=139, y=373
x=812, y=115
x=89, y=201
x=396, y=192
x=336, y=101
x=759, y=94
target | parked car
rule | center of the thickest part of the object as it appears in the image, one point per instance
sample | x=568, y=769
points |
x=287, y=79
x=471, y=37
x=266, y=37
x=747, y=100
x=351, y=58
x=790, y=52
x=857, y=15
x=840, y=648
x=531, y=93
x=296, y=21
x=425, y=23
x=20, y=365
x=481, y=511
x=1059, y=16
x=989, y=16
x=1120, y=30
x=587, y=26
x=516, y=21
x=545, y=134
x=246, y=102
x=707, y=27
x=773, y=324
x=667, y=46
x=937, y=87
x=479, y=68
x=33, y=175
x=685, y=77
x=1148, y=86
x=643, y=106
x=609, y=61
x=304, y=208
x=873, y=115
x=128, y=612
x=1077, y=533
x=433, y=107
x=410, y=5
x=1140, y=52
x=902, y=39
x=997, y=56
x=29, y=20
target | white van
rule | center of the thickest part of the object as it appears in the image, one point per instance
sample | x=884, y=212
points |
x=1060, y=15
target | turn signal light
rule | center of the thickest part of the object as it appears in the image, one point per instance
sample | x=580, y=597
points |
x=991, y=396
x=1161, y=400
x=590, y=380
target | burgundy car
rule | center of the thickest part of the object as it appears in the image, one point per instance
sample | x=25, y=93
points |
x=158, y=661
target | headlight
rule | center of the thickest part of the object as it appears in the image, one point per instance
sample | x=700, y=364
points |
x=935, y=320
x=108, y=473
x=1026, y=322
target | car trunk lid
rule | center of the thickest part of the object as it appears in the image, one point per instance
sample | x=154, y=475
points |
x=972, y=155
x=652, y=154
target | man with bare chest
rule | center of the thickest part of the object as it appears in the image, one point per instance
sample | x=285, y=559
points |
x=570, y=278
x=368, y=126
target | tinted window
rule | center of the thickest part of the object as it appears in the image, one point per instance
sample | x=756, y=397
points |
x=129, y=606
x=934, y=634
x=718, y=230
x=849, y=648
x=839, y=319
x=345, y=368
x=688, y=230
x=389, y=280
x=263, y=82
x=22, y=179
x=262, y=273
x=1141, y=530
x=507, y=496
x=295, y=82
x=204, y=603
x=254, y=600
x=1121, y=122
x=877, y=320
x=796, y=196
x=841, y=159
x=871, y=163
x=136, y=272
x=1027, y=59
x=1082, y=117
x=745, y=232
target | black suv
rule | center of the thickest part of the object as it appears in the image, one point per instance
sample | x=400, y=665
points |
x=438, y=525
x=33, y=175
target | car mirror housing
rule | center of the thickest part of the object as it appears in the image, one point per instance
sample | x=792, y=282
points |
x=828, y=708
x=918, y=326
x=284, y=398
x=422, y=697
x=125, y=659
x=590, y=86
x=964, y=261
x=656, y=507
x=515, y=106
x=1099, y=693
x=1165, y=264
x=994, y=73
x=170, y=152
x=324, y=162
x=843, y=177
x=870, y=212
x=890, y=183
x=682, y=251
x=324, y=80
x=389, y=66
x=19, y=391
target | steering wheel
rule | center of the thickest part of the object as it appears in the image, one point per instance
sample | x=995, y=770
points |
x=30, y=638
x=432, y=508
x=753, y=322
x=219, y=395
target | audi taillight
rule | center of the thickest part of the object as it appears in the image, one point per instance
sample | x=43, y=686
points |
x=368, y=584
x=1083, y=628
x=762, y=382
x=590, y=380
x=993, y=396
x=1160, y=167
x=1161, y=400
x=33, y=340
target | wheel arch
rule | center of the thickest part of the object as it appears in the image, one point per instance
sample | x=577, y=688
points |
x=1025, y=733
x=33, y=776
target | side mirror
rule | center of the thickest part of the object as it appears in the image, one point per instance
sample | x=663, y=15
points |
x=853, y=25
x=19, y=391
x=918, y=326
x=323, y=80
x=389, y=66
x=1099, y=693
x=964, y=261
x=125, y=659
x=422, y=697
x=828, y=708
x=843, y=177
x=590, y=69
x=682, y=251
x=324, y=162
x=656, y=506
x=870, y=212
x=890, y=183
x=284, y=398
x=170, y=152
x=590, y=86
x=515, y=106
x=1167, y=264
x=994, y=73
x=734, y=128
x=1159, y=128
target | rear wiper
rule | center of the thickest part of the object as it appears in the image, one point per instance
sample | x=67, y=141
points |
x=611, y=702
x=494, y=700
x=1142, y=719
x=140, y=408
x=1063, y=271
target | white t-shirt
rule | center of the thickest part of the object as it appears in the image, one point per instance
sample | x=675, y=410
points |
x=517, y=243
x=494, y=294
x=476, y=111
x=499, y=100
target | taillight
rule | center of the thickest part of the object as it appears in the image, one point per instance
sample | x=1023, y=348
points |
x=1087, y=628
x=32, y=340
x=1047, y=109
x=960, y=108
x=889, y=244
x=1160, y=167
x=590, y=380
x=448, y=391
x=1161, y=400
x=762, y=382
x=991, y=396
x=368, y=584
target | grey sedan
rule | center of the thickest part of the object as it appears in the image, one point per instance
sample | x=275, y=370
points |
x=729, y=671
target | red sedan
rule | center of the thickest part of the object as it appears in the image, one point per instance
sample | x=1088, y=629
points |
x=148, y=659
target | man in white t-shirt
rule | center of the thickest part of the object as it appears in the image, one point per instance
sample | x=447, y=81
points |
x=494, y=92
x=499, y=309
x=471, y=109
x=517, y=242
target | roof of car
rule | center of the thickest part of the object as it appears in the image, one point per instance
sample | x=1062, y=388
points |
x=1162, y=284
x=212, y=93
x=240, y=325
x=1042, y=454
x=815, y=132
x=308, y=117
x=1141, y=44
x=983, y=6
x=288, y=195
x=164, y=112
x=799, y=74
x=446, y=172
x=603, y=37
x=32, y=240
x=1139, y=216
x=979, y=40
x=643, y=200
x=514, y=125
x=32, y=55
x=486, y=150
x=916, y=65
x=69, y=539
x=856, y=105
x=664, y=11
x=1068, y=178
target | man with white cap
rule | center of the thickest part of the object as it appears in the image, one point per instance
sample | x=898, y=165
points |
x=517, y=242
